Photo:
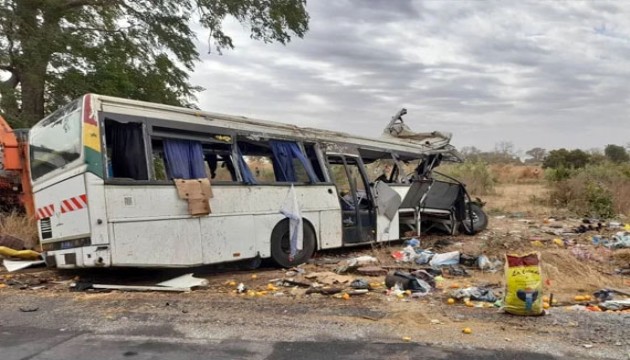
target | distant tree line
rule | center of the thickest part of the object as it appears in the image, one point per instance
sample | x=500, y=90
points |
x=504, y=153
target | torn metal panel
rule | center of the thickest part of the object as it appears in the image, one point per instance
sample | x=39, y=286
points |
x=140, y=288
x=184, y=281
x=387, y=200
x=14, y=265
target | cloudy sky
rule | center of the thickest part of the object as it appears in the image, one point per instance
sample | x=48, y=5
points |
x=547, y=73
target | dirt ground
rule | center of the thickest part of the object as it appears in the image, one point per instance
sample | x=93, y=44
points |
x=271, y=310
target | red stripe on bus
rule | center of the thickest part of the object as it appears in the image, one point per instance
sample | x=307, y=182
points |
x=77, y=203
x=66, y=206
x=84, y=199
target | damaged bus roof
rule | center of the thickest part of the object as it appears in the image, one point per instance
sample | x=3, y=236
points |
x=426, y=143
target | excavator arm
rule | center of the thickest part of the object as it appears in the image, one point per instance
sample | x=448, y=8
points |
x=14, y=165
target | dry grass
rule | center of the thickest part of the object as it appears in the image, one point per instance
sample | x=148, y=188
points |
x=621, y=258
x=516, y=174
x=620, y=191
x=529, y=199
x=20, y=226
x=569, y=274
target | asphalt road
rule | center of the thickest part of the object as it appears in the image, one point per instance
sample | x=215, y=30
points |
x=22, y=343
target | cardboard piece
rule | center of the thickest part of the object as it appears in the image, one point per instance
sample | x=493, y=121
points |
x=197, y=192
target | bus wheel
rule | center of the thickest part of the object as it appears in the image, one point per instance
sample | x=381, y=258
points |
x=479, y=220
x=280, y=245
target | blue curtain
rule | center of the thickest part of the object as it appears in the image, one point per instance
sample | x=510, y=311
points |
x=248, y=178
x=283, y=154
x=184, y=159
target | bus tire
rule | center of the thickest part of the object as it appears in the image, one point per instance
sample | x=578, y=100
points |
x=480, y=220
x=280, y=246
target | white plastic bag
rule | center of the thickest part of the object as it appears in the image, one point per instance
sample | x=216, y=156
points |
x=449, y=258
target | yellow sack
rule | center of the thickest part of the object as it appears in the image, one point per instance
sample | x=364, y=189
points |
x=20, y=254
x=523, y=293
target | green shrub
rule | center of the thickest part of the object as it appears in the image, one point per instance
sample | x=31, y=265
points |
x=601, y=190
x=474, y=174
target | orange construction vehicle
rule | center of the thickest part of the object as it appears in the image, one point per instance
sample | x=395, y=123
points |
x=16, y=192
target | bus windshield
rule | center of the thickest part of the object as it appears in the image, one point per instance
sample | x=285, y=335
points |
x=56, y=141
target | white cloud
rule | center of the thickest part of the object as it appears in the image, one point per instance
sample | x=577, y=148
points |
x=550, y=74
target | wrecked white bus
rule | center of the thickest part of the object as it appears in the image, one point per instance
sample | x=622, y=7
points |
x=119, y=182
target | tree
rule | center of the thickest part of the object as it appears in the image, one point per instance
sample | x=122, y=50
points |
x=537, y=155
x=563, y=158
x=54, y=50
x=616, y=153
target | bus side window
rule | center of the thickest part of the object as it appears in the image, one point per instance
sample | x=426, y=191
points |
x=218, y=162
x=311, y=153
x=277, y=161
x=178, y=159
x=126, y=151
x=159, y=164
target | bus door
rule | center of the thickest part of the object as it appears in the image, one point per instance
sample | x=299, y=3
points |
x=357, y=205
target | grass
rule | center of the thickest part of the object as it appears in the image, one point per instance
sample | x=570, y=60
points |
x=19, y=226
x=525, y=198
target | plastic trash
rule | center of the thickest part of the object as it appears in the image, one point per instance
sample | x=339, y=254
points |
x=409, y=254
x=614, y=225
x=621, y=240
x=603, y=295
x=355, y=263
x=241, y=288
x=523, y=295
x=467, y=260
x=615, y=304
x=596, y=240
x=359, y=284
x=484, y=263
x=407, y=281
x=475, y=293
x=413, y=243
x=424, y=257
x=449, y=258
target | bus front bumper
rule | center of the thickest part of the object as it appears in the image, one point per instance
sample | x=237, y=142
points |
x=81, y=257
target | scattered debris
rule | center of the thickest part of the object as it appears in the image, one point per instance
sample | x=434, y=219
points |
x=329, y=278
x=474, y=293
x=184, y=281
x=11, y=242
x=371, y=271
x=445, y=259
x=29, y=308
x=407, y=281
x=241, y=288
x=138, y=288
x=19, y=254
x=324, y=291
x=14, y=265
x=360, y=284
x=615, y=305
x=354, y=263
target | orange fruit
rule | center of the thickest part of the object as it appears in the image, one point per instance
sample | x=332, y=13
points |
x=545, y=305
x=467, y=330
x=450, y=301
